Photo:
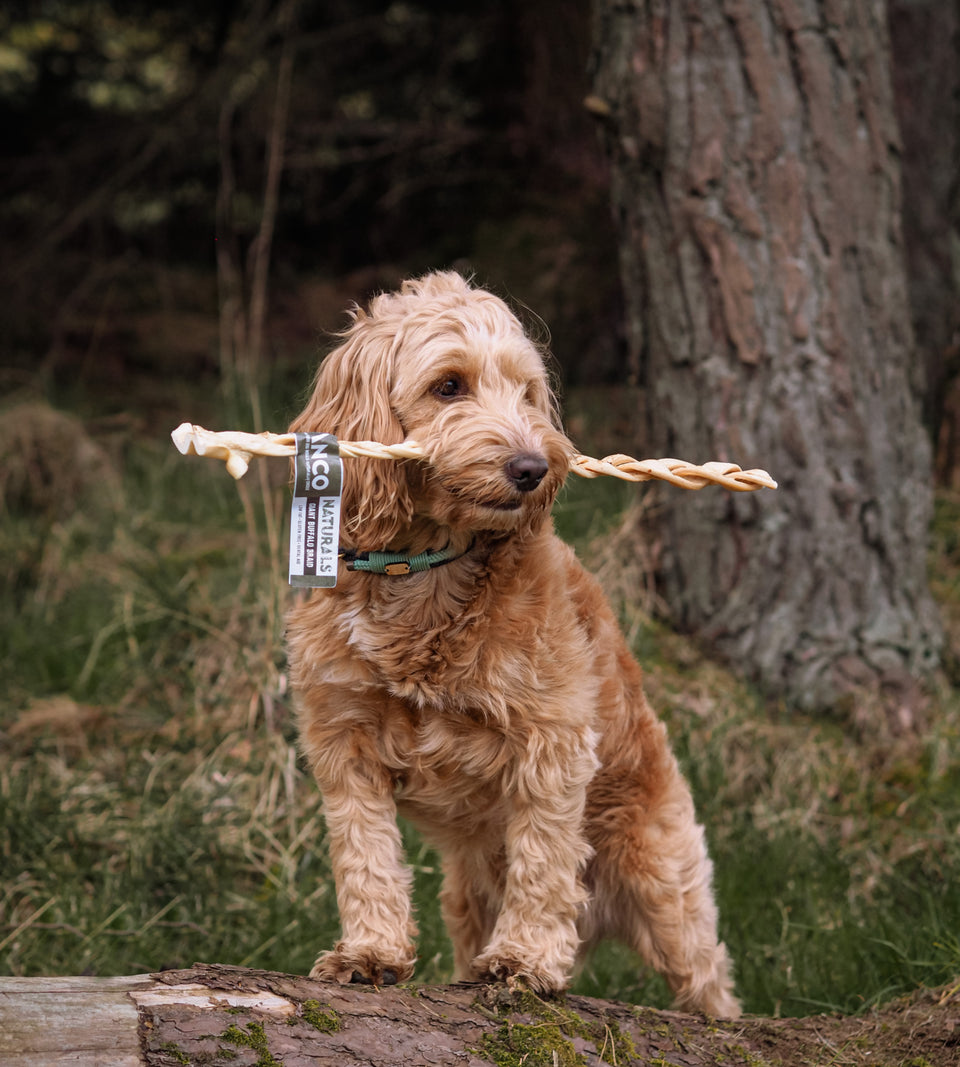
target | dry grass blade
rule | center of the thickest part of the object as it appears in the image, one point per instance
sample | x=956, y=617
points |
x=236, y=449
x=29, y=921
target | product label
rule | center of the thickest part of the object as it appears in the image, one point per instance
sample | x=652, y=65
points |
x=315, y=515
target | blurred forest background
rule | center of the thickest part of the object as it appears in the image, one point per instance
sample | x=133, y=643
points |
x=189, y=197
x=145, y=145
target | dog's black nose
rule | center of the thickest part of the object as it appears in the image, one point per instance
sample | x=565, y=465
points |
x=526, y=471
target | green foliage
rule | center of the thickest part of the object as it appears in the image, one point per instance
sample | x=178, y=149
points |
x=98, y=54
x=152, y=811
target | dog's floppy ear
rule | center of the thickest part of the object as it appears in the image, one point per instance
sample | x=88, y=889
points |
x=351, y=399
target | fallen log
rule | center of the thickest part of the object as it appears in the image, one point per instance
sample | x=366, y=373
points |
x=217, y=1015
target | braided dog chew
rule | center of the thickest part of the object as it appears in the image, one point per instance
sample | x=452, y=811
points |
x=236, y=449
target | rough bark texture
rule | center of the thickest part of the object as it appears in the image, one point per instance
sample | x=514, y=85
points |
x=757, y=188
x=229, y=1015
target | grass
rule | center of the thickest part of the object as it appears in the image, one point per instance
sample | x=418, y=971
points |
x=153, y=810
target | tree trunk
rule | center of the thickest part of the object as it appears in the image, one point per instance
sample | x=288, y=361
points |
x=232, y=1016
x=757, y=188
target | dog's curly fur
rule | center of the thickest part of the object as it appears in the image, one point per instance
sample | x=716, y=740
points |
x=491, y=700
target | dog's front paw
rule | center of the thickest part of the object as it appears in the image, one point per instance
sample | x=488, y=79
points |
x=344, y=964
x=516, y=972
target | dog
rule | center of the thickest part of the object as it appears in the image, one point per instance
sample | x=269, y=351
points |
x=481, y=686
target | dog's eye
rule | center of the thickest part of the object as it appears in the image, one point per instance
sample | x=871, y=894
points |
x=450, y=386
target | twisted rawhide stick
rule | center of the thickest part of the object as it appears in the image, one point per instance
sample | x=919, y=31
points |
x=236, y=449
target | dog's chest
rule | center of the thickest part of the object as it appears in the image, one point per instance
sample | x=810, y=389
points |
x=445, y=768
x=439, y=672
x=447, y=656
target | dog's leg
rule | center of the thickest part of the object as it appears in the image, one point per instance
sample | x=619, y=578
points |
x=373, y=884
x=651, y=879
x=535, y=937
x=469, y=911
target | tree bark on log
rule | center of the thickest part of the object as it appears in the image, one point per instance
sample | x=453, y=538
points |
x=756, y=184
x=218, y=1015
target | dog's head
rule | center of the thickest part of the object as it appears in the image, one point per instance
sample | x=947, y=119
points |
x=450, y=367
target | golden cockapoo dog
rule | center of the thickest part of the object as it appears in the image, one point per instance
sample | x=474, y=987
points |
x=489, y=697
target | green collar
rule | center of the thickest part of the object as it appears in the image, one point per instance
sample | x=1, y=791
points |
x=397, y=563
